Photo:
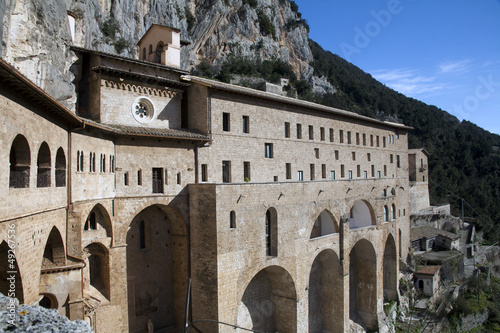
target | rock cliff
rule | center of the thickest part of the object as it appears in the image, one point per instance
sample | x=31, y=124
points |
x=36, y=38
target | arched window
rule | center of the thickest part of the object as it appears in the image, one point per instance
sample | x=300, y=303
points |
x=232, y=220
x=384, y=192
x=60, y=168
x=79, y=161
x=158, y=52
x=20, y=161
x=271, y=232
x=386, y=214
x=393, y=212
x=150, y=48
x=43, y=166
x=143, y=53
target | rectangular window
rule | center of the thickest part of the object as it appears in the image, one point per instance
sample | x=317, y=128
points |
x=336, y=155
x=398, y=161
x=371, y=140
x=391, y=158
x=354, y=156
x=322, y=133
x=378, y=174
x=157, y=180
x=357, y=139
x=204, y=172
x=246, y=171
x=225, y=122
x=139, y=177
x=311, y=168
x=373, y=170
x=350, y=174
x=365, y=174
x=332, y=175
x=300, y=175
x=246, y=124
x=299, y=131
x=385, y=170
x=358, y=171
x=378, y=141
x=287, y=130
x=125, y=179
x=383, y=141
x=268, y=150
x=311, y=132
x=331, y=134
x=342, y=171
x=288, y=171
x=341, y=136
x=323, y=170
x=364, y=139
x=179, y=180
x=226, y=171
x=368, y=157
x=349, y=137
x=316, y=152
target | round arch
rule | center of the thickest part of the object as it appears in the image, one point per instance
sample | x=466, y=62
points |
x=48, y=301
x=20, y=163
x=60, y=168
x=325, y=294
x=363, y=285
x=157, y=268
x=43, y=164
x=262, y=309
x=390, y=269
x=361, y=215
x=325, y=224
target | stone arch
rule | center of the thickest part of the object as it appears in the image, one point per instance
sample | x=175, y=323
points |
x=385, y=216
x=48, y=301
x=96, y=272
x=361, y=215
x=157, y=268
x=20, y=163
x=54, y=254
x=43, y=164
x=326, y=295
x=390, y=270
x=97, y=224
x=269, y=302
x=363, y=285
x=60, y=168
x=6, y=281
x=271, y=232
x=158, y=52
x=325, y=224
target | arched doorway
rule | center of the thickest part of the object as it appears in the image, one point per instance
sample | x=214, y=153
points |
x=363, y=285
x=269, y=302
x=156, y=269
x=361, y=215
x=390, y=270
x=96, y=272
x=326, y=294
x=9, y=280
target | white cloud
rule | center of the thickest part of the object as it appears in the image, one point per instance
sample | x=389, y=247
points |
x=460, y=66
x=407, y=81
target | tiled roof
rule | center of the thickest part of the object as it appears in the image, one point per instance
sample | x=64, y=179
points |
x=428, y=270
x=149, y=131
x=428, y=232
x=140, y=76
x=287, y=100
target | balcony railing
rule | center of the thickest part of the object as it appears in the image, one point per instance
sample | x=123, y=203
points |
x=19, y=179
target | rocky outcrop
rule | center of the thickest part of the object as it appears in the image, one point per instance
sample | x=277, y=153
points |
x=17, y=318
x=36, y=39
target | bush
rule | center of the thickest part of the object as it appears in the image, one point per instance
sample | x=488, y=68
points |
x=120, y=45
x=251, y=3
x=265, y=24
x=110, y=27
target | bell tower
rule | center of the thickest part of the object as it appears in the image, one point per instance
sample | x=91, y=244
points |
x=162, y=45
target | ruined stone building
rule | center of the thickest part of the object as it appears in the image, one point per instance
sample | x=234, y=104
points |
x=286, y=215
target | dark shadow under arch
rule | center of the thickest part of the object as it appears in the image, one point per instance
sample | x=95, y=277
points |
x=390, y=270
x=7, y=276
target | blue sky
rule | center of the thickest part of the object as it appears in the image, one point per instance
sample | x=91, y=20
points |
x=444, y=53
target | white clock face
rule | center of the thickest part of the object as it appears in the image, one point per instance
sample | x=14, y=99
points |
x=143, y=110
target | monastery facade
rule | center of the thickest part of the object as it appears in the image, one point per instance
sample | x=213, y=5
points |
x=277, y=214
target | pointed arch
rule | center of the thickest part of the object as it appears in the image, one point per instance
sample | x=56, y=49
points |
x=97, y=224
x=326, y=294
x=363, y=285
x=262, y=309
x=6, y=261
x=20, y=163
x=361, y=215
x=54, y=254
x=390, y=269
x=325, y=224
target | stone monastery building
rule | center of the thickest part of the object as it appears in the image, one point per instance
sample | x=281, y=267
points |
x=286, y=216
